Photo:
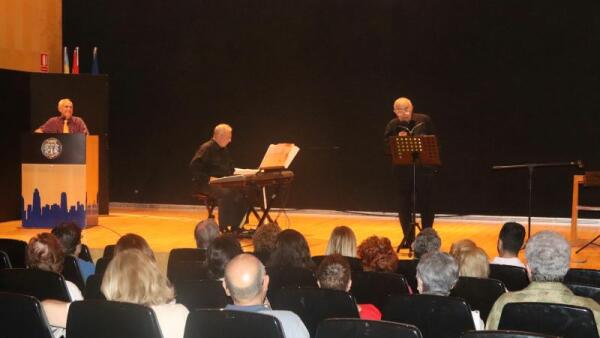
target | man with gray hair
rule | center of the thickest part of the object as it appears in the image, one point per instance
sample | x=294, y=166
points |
x=66, y=123
x=437, y=273
x=205, y=232
x=548, y=256
x=426, y=241
x=212, y=160
x=246, y=282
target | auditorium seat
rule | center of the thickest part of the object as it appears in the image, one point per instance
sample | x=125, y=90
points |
x=408, y=269
x=583, y=276
x=37, y=283
x=514, y=278
x=109, y=250
x=566, y=321
x=85, y=253
x=435, y=316
x=92, y=287
x=479, y=293
x=313, y=305
x=16, y=251
x=585, y=290
x=22, y=316
x=370, y=287
x=212, y=323
x=504, y=334
x=358, y=328
x=290, y=277
x=72, y=273
x=199, y=294
x=101, y=265
x=355, y=263
x=4, y=261
x=101, y=318
x=186, y=264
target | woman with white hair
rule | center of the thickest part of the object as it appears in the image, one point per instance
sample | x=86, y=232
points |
x=133, y=277
x=437, y=273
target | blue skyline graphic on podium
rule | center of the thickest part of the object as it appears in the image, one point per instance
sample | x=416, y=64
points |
x=49, y=216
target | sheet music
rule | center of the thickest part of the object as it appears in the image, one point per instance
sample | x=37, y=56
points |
x=244, y=172
x=279, y=155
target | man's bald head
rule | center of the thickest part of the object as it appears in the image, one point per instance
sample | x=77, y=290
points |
x=403, y=108
x=222, y=134
x=246, y=280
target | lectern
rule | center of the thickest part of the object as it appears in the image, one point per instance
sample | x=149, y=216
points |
x=59, y=180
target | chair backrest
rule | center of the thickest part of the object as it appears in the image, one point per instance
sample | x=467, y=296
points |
x=92, y=287
x=358, y=328
x=212, y=323
x=567, y=321
x=22, y=316
x=16, y=251
x=109, y=251
x=435, y=316
x=514, y=277
x=408, y=269
x=102, y=318
x=101, y=265
x=355, y=263
x=4, y=261
x=290, y=277
x=479, y=293
x=33, y=282
x=85, y=253
x=186, y=264
x=583, y=276
x=202, y=294
x=370, y=287
x=313, y=305
x=585, y=290
x=504, y=334
x=72, y=273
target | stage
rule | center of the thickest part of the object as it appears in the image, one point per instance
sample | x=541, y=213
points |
x=171, y=226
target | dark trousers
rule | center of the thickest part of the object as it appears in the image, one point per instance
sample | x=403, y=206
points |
x=425, y=179
x=231, y=203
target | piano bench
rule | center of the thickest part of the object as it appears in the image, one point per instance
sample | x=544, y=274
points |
x=208, y=201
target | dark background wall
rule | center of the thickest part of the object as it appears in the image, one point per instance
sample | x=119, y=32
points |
x=504, y=81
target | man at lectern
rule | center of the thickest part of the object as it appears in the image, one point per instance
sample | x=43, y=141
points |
x=66, y=123
x=407, y=123
x=212, y=160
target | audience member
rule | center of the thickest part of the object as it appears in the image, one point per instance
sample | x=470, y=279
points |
x=474, y=262
x=437, y=273
x=205, y=232
x=264, y=241
x=291, y=251
x=246, y=282
x=458, y=247
x=426, y=241
x=510, y=242
x=377, y=254
x=548, y=259
x=342, y=241
x=133, y=241
x=69, y=235
x=220, y=252
x=334, y=273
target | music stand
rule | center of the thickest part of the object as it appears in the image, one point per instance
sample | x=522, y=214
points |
x=413, y=151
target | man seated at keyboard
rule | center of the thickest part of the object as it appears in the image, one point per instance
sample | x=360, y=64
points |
x=212, y=160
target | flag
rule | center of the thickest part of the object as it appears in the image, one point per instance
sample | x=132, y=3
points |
x=75, y=69
x=65, y=61
x=95, y=68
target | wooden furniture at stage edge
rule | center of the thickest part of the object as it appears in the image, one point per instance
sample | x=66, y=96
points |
x=590, y=179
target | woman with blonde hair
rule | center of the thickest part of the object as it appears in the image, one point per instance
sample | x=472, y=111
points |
x=460, y=246
x=133, y=277
x=474, y=262
x=342, y=241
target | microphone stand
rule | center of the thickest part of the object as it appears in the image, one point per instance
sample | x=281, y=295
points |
x=530, y=168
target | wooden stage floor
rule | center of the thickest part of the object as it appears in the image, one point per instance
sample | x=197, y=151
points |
x=167, y=228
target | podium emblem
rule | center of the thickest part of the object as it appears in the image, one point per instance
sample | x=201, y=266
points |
x=51, y=148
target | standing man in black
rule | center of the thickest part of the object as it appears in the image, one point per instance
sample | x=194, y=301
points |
x=406, y=123
x=212, y=160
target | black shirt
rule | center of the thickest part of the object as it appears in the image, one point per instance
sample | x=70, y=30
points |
x=211, y=160
x=419, y=125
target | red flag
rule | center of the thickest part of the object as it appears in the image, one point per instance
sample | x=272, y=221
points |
x=75, y=61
